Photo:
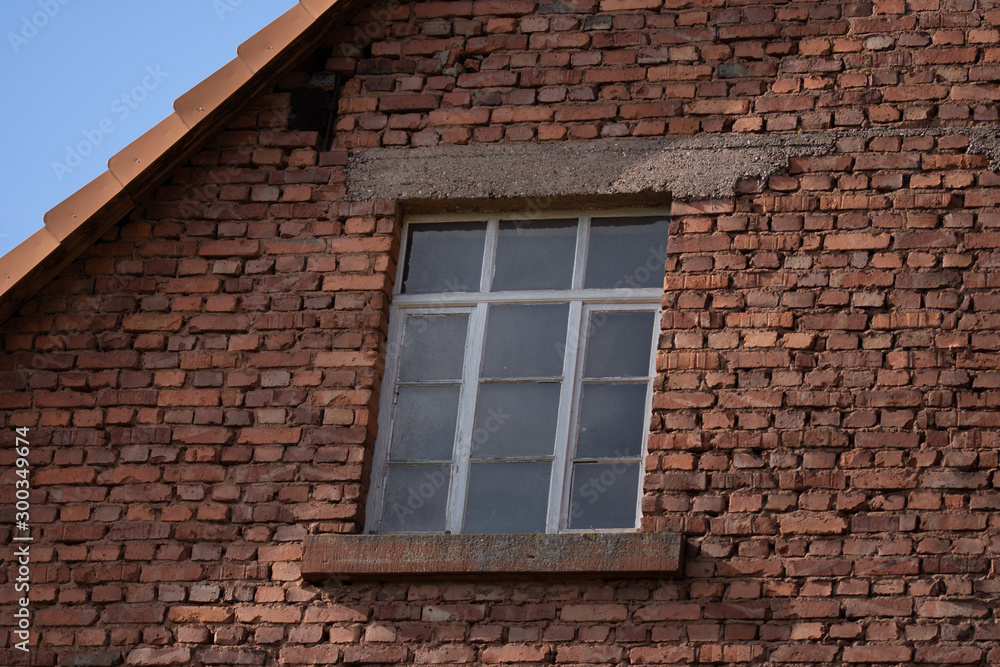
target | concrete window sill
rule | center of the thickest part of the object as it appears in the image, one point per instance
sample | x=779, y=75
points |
x=376, y=557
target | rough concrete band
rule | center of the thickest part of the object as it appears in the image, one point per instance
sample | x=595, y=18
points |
x=683, y=168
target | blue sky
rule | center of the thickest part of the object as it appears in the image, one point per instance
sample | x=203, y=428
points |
x=84, y=78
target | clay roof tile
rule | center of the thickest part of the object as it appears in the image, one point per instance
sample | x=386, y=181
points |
x=128, y=163
x=66, y=217
x=28, y=254
x=198, y=103
x=259, y=50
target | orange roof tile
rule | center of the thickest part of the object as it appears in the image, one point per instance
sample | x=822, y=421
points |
x=80, y=219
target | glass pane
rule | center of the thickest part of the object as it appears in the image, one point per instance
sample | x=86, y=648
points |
x=604, y=495
x=612, y=421
x=525, y=341
x=535, y=255
x=516, y=420
x=433, y=348
x=444, y=258
x=626, y=252
x=507, y=498
x=423, y=424
x=415, y=498
x=619, y=345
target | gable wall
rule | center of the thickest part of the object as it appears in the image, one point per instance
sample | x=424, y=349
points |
x=201, y=386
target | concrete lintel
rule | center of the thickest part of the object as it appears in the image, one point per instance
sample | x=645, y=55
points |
x=609, y=555
x=985, y=140
x=684, y=168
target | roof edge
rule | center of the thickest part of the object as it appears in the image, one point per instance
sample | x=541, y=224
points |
x=83, y=217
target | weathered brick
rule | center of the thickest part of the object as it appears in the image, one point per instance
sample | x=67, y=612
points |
x=312, y=655
x=877, y=653
x=594, y=612
x=807, y=523
x=515, y=653
x=153, y=657
x=669, y=611
x=878, y=607
x=811, y=653
x=199, y=614
x=662, y=655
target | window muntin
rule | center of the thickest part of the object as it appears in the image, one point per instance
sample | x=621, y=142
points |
x=529, y=366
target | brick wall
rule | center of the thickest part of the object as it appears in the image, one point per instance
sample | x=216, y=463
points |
x=201, y=385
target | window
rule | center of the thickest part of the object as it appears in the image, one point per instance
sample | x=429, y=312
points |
x=519, y=374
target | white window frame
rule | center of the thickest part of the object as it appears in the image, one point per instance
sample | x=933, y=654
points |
x=581, y=302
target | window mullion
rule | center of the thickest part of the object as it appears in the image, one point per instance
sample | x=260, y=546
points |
x=644, y=451
x=564, y=430
x=489, y=252
x=387, y=397
x=466, y=420
x=580, y=265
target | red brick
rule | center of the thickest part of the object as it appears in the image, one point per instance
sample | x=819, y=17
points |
x=884, y=479
x=200, y=614
x=336, y=613
x=442, y=9
x=803, y=608
x=613, y=75
x=173, y=572
x=594, y=612
x=817, y=567
x=476, y=116
x=878, y=607
x=800, y=652
x=674, y=611
x=65, y=617
x=204, y=323
x=729, y=107
x=885, y=566
x=458, y=612
x=133, y=613
x=880, y=653
x=951, y=609
x=586, y=112
x=188, y=397
x=101, y=360
x=679, y=73
x=530, y=612
x=627, y=5
x=487, y=79
x=229, y=248
x=268, y=614
x=150, y=657
x=49, y=476
x=313, y=655
x=444, y=655
x=949, y=655
x=678, y=400
x=808, y=523
x=513, y=653
x=408, y=102
x=595, y=654
x=503, y=7
x=152, y=322
x=665, y=655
